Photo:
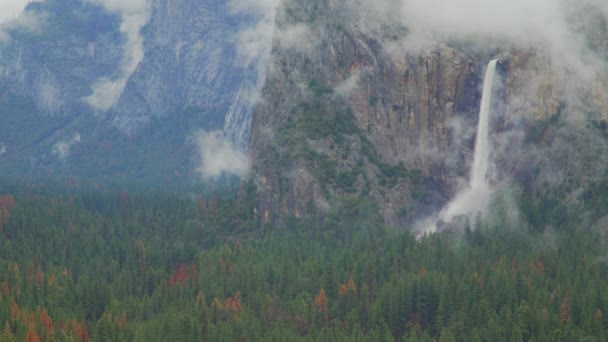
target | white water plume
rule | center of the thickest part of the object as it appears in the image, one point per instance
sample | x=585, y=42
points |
x=476, y=197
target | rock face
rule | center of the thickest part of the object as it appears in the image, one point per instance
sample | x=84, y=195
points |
x=189, y=63
x=186, y=77
x=347, y=112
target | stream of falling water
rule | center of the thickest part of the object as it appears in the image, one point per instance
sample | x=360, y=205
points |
x=476, y=197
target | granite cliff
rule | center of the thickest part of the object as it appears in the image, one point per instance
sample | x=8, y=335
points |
x=122, y=74
x=349, y=111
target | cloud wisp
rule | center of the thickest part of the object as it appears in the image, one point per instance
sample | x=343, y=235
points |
x=13, y=16
x=63, y=147
x=11, y=9
x=134, y=15
x=218, y=156
x=554, y=26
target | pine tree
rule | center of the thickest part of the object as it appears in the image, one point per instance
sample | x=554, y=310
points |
x=31, y=334
x=7, y=334
x=47, y=322
x=321, y=302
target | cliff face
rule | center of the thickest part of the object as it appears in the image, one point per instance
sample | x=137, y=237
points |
x=90, y=68
x=348, y=112
x=188, y=61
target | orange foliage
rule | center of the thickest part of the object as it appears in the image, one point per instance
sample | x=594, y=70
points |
x=7, y=203
x=181, y=275
x=47, y=322
x=351, y=285
x=343, y=290
x=81, y=331
x=422, y=272
x=599, y=316
x=321, y=302
x=31, y=334
x=40, y=280
x=233, y=304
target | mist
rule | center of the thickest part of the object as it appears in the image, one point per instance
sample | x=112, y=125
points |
x=218, y=156
x=134, y=15
x=11, y=9
x=13, y=16
x=62, y=148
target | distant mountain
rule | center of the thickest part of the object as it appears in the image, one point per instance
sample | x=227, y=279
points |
x=100, y=89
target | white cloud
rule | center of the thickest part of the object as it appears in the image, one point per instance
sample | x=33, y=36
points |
x=549, y=25
x=11, y=9
x=2, y=149
x=254, y=42
x=347, y=86
x=12, y=16
x=218, y=155
x=134, y=15
x=62, y=148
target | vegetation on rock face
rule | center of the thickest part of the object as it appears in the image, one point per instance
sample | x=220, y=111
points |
x=101, y=265
x=322, y=134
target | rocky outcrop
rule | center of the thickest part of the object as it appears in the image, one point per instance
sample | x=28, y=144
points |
x=404, y=153
x=414, y=113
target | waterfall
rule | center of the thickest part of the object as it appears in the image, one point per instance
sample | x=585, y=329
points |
x=476, y=197
x=479, y=168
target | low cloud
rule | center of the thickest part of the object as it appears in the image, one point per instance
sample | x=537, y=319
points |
x=255, y=41
x=559, y=28
x=546, y=24
x=11, y=9
x=345, y=88
x=2, y=149
x=134, y=15
x=218, y=156
x=62, y=148
x=13, y=17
